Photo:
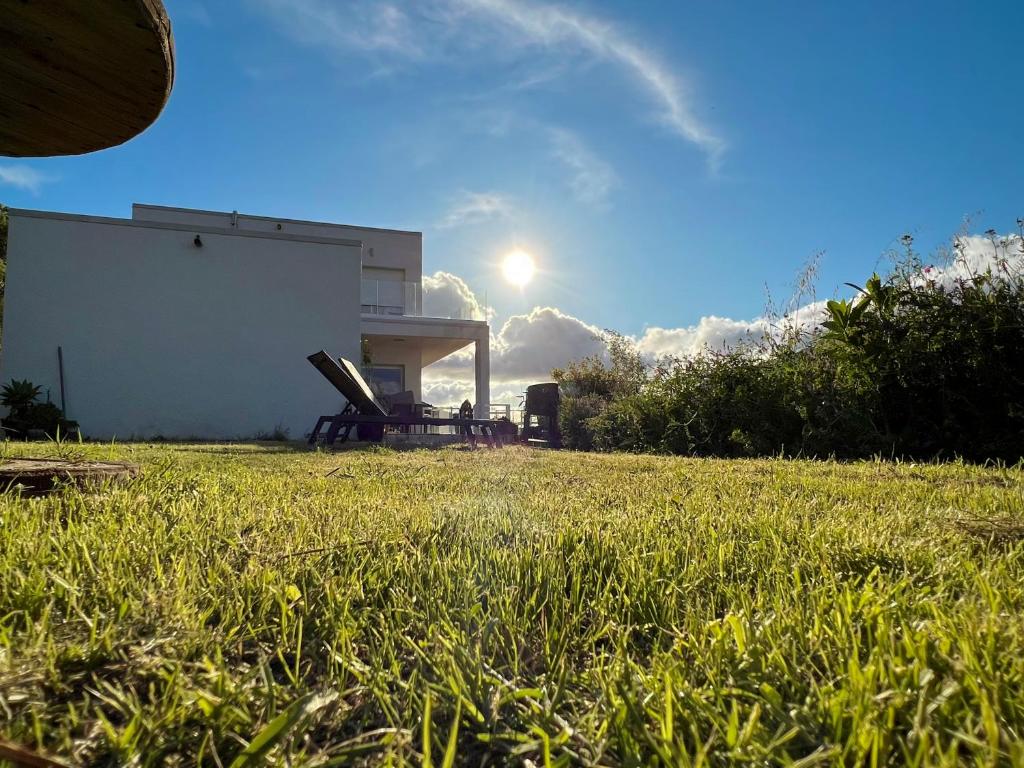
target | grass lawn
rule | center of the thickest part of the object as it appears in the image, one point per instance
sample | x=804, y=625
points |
x=251, y=604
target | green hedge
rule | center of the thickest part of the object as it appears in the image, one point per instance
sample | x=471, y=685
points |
x=911, y=367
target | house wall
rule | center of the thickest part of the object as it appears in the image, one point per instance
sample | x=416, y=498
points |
x=385, y=274
x=163, y=338
x=383, y=248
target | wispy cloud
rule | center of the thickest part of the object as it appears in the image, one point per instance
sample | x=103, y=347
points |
x=476, y=207
x=197, y=13
x=23, y=177
x=436, y=29
x=590, y=178
x=551, y=26
x=351, y=25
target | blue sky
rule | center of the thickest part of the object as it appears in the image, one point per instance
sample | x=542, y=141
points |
x=663, y=160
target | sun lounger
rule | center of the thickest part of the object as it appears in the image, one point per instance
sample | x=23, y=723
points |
x=349, y=382
x=365, y=413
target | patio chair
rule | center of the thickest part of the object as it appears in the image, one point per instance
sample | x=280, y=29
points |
x=345, y=378
x=366, y=414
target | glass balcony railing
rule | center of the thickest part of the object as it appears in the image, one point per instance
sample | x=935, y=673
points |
x=392, y=297
x=405, y=298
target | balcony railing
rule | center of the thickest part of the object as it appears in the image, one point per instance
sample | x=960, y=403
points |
x=405, y=298
x=498, y=411
x=392, y=297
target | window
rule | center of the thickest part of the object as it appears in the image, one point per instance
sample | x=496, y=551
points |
x=386, y=379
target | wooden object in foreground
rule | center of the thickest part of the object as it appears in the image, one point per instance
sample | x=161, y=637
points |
x=22, y=756
x=81, y=76
x=39, y=476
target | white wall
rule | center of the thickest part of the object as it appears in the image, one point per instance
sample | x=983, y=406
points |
x=163, y=338
x=385, y=248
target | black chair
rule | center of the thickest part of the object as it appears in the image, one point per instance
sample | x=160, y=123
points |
x=346, y=378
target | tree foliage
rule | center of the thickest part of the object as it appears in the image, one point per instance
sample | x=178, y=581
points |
x=3, y=233
x=3, y=258
x=3, y=254
x=590, y=385
x=922, y=363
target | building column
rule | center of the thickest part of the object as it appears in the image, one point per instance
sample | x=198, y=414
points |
x=482, y=362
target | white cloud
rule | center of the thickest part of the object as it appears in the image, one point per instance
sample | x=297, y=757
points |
x=449, y=29
x=719, y=334
x=976, y=254
x=524, y=351
x=972, y=255
x=447, y=295
x=530, y=346
x=451, y=392
x=527, y=347
x=23, y=177
x=591, y=178
x=711, y=332
x=448, y=391
x=476, y=207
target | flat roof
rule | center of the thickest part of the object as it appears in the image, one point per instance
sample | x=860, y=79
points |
x=181, y=227
x=275, y=219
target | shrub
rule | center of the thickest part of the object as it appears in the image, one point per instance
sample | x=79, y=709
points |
x=588, y=386
x=18, y=396
x=279, y=434
x=945, y=362
x=575, y=413
x=920, y=364
x=721, y=404
x=46, y=417
x=25, y=414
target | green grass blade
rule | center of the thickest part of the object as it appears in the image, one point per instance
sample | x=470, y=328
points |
x=453, y=738
x=278, y=729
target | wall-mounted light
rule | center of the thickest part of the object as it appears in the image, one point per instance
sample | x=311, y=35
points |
x=198, y=242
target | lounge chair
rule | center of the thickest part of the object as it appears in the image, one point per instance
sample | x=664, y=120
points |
x=365, y=413
x=359, y=399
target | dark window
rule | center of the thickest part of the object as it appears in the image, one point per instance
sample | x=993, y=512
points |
x=386, y=379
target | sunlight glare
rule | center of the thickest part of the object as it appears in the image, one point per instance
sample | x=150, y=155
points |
x=518, y=268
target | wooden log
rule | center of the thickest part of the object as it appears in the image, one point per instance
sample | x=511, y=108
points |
x=34, y=477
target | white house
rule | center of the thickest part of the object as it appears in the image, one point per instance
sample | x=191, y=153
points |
x=185, y=323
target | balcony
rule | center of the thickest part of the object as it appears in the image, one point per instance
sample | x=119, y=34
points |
x=404, y=299
x=392, y=297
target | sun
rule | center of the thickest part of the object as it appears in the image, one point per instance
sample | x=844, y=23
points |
x=518, y=268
